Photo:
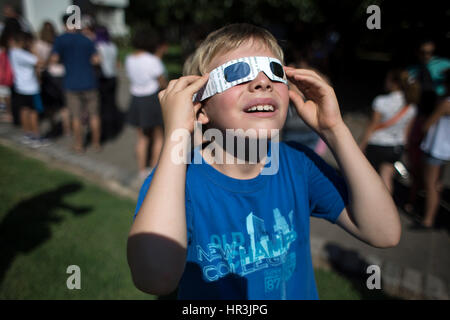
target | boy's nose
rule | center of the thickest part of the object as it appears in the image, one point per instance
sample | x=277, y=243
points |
x=261, y=82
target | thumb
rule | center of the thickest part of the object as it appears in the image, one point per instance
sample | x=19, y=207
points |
x=296, y=99
x=197, y=106
x=198, y=84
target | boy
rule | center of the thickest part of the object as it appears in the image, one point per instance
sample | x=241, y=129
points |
x=225, y=231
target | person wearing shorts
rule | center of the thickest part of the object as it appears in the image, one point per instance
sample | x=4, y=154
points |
x=436, y=147
x=26, y=88
x=147, y=76
x=385, y=138
x=78, y=54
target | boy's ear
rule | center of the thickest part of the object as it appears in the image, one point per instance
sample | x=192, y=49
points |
x=202, y=116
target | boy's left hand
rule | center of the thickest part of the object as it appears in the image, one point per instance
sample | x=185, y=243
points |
x=321, y=109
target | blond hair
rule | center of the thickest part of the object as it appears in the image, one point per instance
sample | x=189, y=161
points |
x=226, y=39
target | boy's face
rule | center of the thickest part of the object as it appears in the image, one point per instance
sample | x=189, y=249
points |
x=227, y=110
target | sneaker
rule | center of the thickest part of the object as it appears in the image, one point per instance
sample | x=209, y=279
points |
x=40, y=142
x=26, y=139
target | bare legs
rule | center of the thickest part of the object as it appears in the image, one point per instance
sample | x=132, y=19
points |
x=387, y=173
x=155, y=135
x=433, y=193
x=65, y=117
x=78, y=133
x=141, y=149
x=96, y=131
x=29, y=119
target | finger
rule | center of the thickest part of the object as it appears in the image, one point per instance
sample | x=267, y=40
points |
x=183, y=82
x=171, y=85
x=197, y=107
x=293, y=86
x=197, y=84
x=296, y=99
x=292, y=72
x=310, y=83
x=161, y=94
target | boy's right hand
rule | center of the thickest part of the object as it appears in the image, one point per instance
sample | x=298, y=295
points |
x=178, y=109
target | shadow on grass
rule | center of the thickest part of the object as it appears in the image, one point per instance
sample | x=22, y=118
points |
x=351, y=266
x=28, y=225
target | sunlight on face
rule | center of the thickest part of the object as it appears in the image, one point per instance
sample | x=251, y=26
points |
x=226, y=110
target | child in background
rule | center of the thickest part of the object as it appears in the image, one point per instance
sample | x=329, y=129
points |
x=147, y=77
x=25, y=65
x=392, y=117
x=436, y=146
x=52, y=78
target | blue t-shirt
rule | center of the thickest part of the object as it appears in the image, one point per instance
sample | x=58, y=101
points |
x=75, y=51
x=250, y=239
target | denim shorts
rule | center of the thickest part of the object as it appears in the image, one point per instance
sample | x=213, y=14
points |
x=429, y=159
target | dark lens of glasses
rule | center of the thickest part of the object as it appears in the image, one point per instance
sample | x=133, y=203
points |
x=277, y=69
x=236, y=71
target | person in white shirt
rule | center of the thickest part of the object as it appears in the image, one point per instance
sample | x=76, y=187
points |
x=26, y=87
x=385, y=137
x=147, y=77
x=436, y=147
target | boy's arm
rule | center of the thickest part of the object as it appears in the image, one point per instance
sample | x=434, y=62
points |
x=157, y=240
x=371, y=214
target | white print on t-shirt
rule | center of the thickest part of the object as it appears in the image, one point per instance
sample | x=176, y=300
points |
x=265, y=249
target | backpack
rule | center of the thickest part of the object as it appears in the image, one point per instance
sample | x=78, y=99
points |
x=6, y=71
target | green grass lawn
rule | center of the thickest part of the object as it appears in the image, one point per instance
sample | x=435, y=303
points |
x=50, y=220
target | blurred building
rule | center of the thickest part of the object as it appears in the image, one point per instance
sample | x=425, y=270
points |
x=109, y=13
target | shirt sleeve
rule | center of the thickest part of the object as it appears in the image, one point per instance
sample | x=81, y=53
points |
x=158, y=68
x=25, y=58
x=327, y=190
x=377, y=104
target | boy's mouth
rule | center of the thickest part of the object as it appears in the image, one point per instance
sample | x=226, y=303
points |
x=261, y=108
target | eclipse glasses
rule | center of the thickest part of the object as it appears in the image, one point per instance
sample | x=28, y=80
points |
x=238, y=71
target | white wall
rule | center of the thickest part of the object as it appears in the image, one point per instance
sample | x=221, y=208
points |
x=114, y=20
x=113, y=3
x=38, y=11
